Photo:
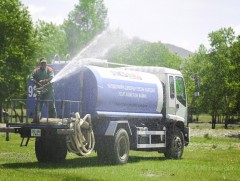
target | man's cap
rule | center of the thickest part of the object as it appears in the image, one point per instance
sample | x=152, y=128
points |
x=43, y=60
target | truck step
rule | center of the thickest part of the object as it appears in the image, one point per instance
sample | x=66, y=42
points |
x=151, y=139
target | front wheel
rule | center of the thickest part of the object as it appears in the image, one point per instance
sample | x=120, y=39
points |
x=175, y=144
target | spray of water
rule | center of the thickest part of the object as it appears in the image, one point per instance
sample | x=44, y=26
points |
x=91, y=54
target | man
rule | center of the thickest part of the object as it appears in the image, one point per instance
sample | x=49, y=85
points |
x=42, y=76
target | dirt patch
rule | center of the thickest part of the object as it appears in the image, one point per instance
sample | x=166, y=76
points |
x=215, y=132
x=2, y=125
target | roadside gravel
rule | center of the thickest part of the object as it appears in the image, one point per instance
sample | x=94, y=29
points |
x=199, y=131
x=2, y=125
x=232, y=131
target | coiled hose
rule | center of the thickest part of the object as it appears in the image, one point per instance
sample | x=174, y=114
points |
x=82, y=142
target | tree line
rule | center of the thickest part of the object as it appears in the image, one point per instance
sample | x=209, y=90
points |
x=23, y=42
x=219, y=70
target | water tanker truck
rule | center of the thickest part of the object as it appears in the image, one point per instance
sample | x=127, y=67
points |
x=110, y=111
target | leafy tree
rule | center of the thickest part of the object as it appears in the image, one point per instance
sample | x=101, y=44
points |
x=86, y=20
x=222, y=82
x=195, y=67
x=51, y=40
x=218, y=69
x=235, y=73
x=16, y=48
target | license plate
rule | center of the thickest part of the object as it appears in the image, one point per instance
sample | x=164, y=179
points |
x=36, y=132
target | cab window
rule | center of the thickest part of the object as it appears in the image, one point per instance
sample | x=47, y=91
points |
x=180, y=90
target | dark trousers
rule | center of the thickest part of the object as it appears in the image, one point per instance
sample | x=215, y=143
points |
x=47, y=100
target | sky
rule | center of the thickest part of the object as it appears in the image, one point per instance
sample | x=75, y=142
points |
x=184, y=23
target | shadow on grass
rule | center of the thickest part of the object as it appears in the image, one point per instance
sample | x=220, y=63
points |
x=133, y=159
x=77, y=163
x=234, y=135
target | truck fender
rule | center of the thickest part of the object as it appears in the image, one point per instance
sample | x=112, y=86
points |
x=115, y=125
x=185, y=130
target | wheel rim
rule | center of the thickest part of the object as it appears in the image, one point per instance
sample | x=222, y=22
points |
x=122, y=148
x=177, y=145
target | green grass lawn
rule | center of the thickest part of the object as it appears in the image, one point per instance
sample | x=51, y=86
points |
x=206, y=158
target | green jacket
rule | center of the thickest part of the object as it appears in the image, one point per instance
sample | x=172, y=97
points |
x=39, y=74
x=42, y=74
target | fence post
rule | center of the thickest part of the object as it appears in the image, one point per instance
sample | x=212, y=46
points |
x=1, y=112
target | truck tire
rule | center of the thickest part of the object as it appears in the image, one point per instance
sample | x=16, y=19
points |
x=103, y=150
x=121, y=147
x=175, y=144
x=41, y=150
x=51, y=150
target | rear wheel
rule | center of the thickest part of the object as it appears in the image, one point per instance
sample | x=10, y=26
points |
x=114, y=150
x=175, y=144
x=103, y=150
x=51, y=150
x=121, y=147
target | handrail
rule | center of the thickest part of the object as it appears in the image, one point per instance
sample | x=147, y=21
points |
x=26, y=110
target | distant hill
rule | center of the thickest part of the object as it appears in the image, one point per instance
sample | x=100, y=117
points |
x=102, y=45
x=178, y=50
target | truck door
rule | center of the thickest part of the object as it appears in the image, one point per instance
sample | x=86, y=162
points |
x=176, y=97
